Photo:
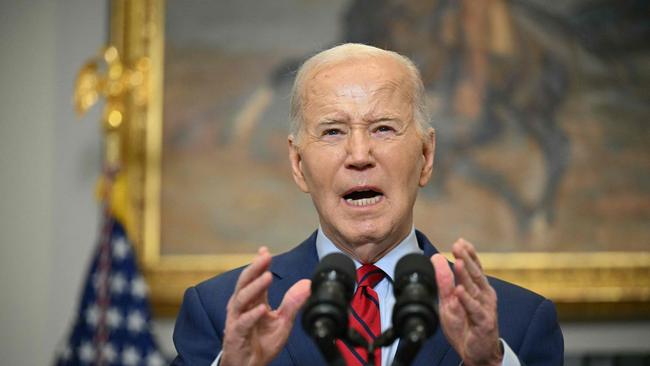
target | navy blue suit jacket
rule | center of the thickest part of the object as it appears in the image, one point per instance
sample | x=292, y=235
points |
x=527, y=321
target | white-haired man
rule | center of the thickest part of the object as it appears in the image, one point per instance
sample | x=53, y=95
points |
x=361, y=146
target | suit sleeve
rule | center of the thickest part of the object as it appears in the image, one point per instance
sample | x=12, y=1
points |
x=543, y=343
x=195, y=338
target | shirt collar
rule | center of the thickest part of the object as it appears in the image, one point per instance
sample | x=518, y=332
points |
x=325, y=246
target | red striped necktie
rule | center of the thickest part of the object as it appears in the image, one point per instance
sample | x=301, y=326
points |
x=364, y=316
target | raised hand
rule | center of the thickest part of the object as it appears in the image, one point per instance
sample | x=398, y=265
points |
x=255, y=333
x=468, y=307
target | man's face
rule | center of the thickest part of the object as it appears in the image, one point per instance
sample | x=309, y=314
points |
x=359, y=154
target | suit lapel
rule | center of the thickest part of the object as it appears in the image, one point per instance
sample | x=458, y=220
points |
x=288, y=269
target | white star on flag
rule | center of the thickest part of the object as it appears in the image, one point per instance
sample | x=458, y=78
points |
x=108, y=353
x=118, y=283
x=97, y=280
x=92, y=315
x=87, y=352
x=154, y=359
x=130, y=356
x=113, y=318
x=120, y=248
x=139, y=287
x=135, y=322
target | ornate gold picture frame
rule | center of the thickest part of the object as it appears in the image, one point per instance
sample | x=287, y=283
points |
x=584, y=284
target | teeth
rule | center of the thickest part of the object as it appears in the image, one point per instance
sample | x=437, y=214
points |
x=364, y=201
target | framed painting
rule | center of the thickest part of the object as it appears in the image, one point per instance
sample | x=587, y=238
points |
x=542, y=153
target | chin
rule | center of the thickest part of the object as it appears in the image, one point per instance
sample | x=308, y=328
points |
x=367, y=245
x=364, y=234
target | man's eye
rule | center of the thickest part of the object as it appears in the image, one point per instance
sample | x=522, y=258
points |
x=332, y=132
x=384, y=129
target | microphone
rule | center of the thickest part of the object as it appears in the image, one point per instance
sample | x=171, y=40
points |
x=415, y=315
x=325, y=317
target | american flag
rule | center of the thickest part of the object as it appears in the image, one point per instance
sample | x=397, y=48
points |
x=113, y=325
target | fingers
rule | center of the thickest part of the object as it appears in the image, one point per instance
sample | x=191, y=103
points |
x=468, y=268
x=248, y=319
x=294, y=299
x=464, y=279
x=473, y=289
x=254, y=293
x=473, y=308
x=252, y=284
x=255, y=269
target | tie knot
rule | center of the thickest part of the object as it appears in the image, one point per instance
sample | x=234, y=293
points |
x=369, y=275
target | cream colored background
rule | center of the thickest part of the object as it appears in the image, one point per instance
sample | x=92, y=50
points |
x=48, y=166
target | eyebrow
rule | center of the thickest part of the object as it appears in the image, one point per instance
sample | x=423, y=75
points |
x=329, y=122
x=382, y=119
x=369, y=118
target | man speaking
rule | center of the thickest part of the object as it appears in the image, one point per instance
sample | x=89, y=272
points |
x=361, y=146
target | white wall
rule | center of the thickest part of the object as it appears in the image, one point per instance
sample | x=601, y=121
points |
x=48, y=165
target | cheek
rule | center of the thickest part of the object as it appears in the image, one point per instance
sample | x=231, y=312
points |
x=406, y=175
x=404, y=156
x=319, y=171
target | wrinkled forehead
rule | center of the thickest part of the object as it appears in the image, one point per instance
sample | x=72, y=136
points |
x=358, y=78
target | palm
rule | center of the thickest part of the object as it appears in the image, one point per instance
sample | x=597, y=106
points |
x=461, y=333
x=270, y=333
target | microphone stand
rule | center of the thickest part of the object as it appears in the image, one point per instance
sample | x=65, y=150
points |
x=384, y=339
x=326, y=342
x=407, y=349
x=406, y=352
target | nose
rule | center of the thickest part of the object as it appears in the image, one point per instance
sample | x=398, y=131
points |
x=359, y=151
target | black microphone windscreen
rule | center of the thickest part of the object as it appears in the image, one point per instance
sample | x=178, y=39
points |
x=416, y=263
x=338, y=262
x=325, y=316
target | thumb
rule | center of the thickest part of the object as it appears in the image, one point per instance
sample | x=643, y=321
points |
x=294, y=299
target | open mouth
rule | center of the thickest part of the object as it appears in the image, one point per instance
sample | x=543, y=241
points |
x=363, y=197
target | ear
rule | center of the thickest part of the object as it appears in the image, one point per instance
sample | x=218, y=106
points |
x=428, y=152
x=296, y=165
